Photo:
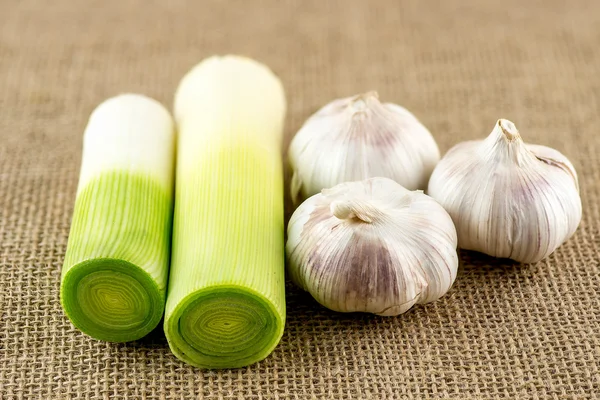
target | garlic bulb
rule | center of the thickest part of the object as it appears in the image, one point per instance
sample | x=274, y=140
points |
x=372, y=246
x=508, y=199
x=356, y=138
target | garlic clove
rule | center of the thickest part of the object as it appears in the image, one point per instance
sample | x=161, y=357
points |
x=356, y=138
x=372, y=246
x=555, y=159
x=507, y=198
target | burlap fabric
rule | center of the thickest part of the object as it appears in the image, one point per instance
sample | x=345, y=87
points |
x=504, y=331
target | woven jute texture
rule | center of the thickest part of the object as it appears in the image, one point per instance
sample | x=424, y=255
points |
x=504, y=331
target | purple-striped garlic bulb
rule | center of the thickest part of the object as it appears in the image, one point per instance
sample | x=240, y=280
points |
x=357, y=138
x=372, y=246
x=507, y=198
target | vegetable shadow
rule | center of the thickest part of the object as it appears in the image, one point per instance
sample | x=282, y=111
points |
x=478, y=276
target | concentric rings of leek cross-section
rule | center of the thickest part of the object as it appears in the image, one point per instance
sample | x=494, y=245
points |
x=224, y=327
x=111, y=299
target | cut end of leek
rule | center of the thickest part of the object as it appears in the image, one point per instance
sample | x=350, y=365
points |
x=114, y=276
x=226, y=298
x=112, y=300
x=224, y=327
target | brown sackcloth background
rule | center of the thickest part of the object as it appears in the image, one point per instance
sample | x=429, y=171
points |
x=504, y=331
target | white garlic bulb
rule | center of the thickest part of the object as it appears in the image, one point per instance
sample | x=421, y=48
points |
x=507, y=198
x=372, y=246
x=356, y=138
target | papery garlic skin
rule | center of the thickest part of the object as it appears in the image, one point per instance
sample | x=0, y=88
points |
x=372, y=246
x=357, y=138
x=507, y=198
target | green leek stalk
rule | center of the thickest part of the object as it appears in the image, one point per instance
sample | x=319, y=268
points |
x=226, y=299
x=116, y=265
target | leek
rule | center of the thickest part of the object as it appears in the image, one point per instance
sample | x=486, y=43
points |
x=116, y=265
x=226, y=302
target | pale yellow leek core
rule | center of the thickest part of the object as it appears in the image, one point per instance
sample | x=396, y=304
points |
x=226, y=300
